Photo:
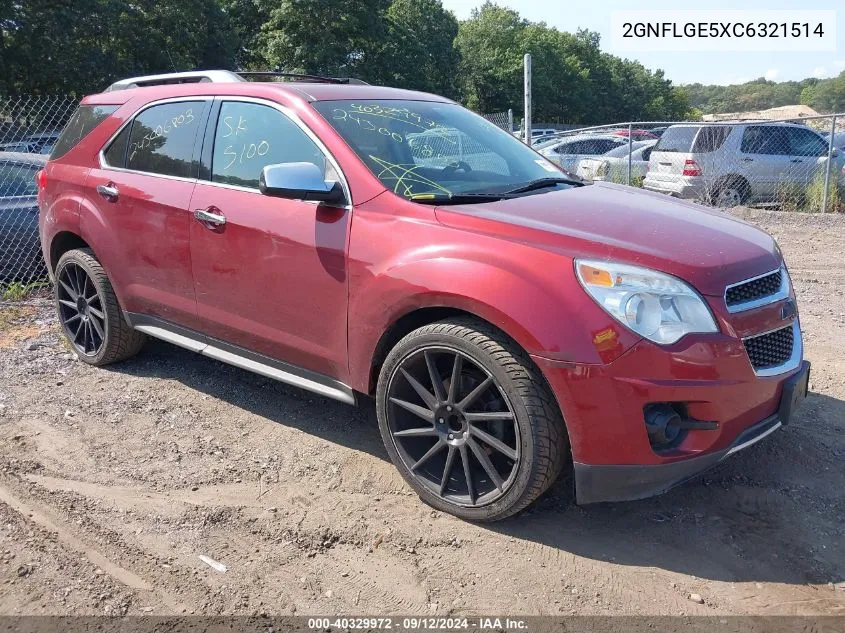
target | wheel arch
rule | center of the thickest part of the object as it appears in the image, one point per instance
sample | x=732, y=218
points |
x=405, y=324
x=733, y=179
x=62, y=242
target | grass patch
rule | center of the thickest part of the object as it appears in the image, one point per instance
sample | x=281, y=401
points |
x=17, y=291
x=809, y=197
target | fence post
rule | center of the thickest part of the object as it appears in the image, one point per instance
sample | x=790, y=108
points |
x=510, y=120
x=829, y=164
x=527, y=125
x=630, y=144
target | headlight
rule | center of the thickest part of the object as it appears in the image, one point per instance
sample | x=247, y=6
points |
x=657, y=306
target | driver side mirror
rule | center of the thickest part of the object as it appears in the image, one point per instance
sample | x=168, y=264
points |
x=299, y=181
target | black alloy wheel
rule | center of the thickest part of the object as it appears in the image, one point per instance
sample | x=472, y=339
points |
x=469, y=420
x=81, y=309
x=453, y=426
x=89, y=312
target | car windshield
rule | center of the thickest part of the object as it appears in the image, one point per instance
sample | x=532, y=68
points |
x=422, y=148
x=17, y=179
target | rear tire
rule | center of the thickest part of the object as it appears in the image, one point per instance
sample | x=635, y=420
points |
x=89, y=313
x=484, y=449
x=730, y=192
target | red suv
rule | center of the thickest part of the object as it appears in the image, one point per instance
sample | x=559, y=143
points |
x=511, y=322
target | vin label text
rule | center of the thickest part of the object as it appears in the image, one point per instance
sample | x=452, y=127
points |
x=721, y=30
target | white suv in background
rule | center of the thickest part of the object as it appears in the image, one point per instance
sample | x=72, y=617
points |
x=731, y=164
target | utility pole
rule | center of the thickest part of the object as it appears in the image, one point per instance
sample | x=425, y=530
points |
x=527, y=125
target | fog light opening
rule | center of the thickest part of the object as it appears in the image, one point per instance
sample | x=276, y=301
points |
x=664, y=426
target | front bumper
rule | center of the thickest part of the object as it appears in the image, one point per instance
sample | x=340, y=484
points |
x=598, y=483
x=709, y=376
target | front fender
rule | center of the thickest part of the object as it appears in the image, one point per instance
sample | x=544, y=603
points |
x=534, y=299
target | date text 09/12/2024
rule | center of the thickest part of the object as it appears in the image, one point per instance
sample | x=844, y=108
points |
x=418, y=624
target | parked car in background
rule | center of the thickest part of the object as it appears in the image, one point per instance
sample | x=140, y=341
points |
x=731, y=164
x=568, y=151
x=41, y=143
x=541, y=140
x=20, y=249
x=510, y=321
x=613, y=166
x=637, y=135
x=44, y=142
x=838, y=140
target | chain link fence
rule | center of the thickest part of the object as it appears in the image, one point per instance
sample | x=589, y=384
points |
x=791, y=165
x=503, y=120
x=29, y=127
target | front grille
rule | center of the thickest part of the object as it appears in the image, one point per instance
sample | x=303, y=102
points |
x=770, y=350
x=754, y=289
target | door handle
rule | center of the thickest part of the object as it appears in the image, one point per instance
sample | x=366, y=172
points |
x=211, y=216
x=747, y=160
x=797, y=160
x=109, y=192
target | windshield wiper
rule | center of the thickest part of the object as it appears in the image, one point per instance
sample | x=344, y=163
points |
x=542, y=183
x=457, y=198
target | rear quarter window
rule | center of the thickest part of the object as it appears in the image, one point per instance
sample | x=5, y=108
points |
x=85, y=119
x=710, y=139
x=677, y=139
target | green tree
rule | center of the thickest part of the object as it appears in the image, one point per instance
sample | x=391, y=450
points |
x=80, y=46
x=573, y=80
x=338, y=38
x=419, y=52
x=246, y=18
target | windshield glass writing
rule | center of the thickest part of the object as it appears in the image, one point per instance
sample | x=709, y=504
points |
x=425, y=148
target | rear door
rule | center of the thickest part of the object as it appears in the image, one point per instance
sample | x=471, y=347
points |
x=272, y=277
x=142, y=193
x=764, y=159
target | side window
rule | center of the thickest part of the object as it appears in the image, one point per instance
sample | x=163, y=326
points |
x=805, y=143
x=603, y=146
x=575, y=147
x=710, y=138
x=163, y=137
x=647, y=153
x=764, y=139
x=115, y=155
x=85, y=119
x=250, y=136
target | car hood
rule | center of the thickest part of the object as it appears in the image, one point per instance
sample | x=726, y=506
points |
x=706, y=248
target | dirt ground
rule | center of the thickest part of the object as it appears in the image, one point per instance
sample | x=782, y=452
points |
x=113, y=482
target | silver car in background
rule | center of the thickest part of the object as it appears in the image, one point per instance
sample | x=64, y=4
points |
x=613, y=166
x=569, y=150
x=731, y=164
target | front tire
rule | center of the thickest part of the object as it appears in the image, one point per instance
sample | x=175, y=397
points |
x=89, y=313
x=469, y=421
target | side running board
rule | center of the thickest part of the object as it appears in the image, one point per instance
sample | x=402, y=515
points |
x=243, y=358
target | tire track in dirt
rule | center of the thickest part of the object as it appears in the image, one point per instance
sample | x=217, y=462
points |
x=66, y=536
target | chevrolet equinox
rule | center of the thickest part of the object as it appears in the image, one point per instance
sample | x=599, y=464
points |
x=511, y=321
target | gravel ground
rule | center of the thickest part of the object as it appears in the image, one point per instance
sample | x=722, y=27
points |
x=114, y=482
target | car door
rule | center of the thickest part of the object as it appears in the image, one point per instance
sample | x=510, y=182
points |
x=808, y=155
x=270, y=276
x=764, y=159
x=142, y=193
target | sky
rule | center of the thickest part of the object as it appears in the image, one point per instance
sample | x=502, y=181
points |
x=687, y=67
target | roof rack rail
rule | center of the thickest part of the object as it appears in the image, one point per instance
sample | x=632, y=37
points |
x=198, y=76
x=302, y=77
